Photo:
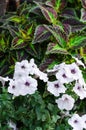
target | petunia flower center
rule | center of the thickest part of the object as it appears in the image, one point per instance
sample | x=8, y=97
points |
x=64, y=76
x=56, y=85
x=23, y=67
x=75, y=121
x=27, y=84
x=13, y=87
x=73, y=71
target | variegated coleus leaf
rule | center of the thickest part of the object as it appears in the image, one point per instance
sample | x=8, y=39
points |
x=18, y=43
x=83, y=15
x=83, y=3
x=58, y=33
x=54, y=48
x=67, y=30
x=49, y=13
x=57, y=4
x=76, y=25
x=41, y=34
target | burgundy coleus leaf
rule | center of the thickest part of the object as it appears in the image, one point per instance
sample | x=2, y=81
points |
x=63, y=4
x=41, y=34
x=49, y=13
x=68, y=13
x=67, y=29
x=75, y=24
x=83, y=15
x=18, y=43
x=58, y=34
x=47, y=61
x=83, y=3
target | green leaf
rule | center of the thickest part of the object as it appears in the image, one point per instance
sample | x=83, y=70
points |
x=16, y=19
x=77, y=41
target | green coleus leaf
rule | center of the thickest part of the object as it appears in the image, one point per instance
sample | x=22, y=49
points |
x=16, y=19
x=77, y=41
x=4, y=44
x=41, y=34
x=54, y=48
x=18, y=43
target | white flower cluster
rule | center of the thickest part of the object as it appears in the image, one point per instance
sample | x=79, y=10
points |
x=66, y=74
x=78, y=122
x=23, y=83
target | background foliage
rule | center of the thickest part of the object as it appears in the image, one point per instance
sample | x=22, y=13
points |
x=50, y=32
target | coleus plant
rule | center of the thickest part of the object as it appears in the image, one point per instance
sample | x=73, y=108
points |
x=64, y=28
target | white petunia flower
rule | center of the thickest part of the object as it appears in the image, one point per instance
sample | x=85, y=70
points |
x=56, y=68
x=41, y=75
x=22, y=86
x=84, y=121
x=63, y=77
x=14, y=87
x=79, y=90
x=33, y=67
x=73, y=71
x=65, y=102
x=28, y=85
x=56, y=87
x=76, y=122
x=19, y=74
x=12, y=125
x=22, y=67
x=3, y=80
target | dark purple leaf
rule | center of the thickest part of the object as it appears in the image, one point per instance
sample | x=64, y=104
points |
x=75, y=24
x=21, y=55
x=83, y=3
x=41, y=34
x=48, y=60
x=83, y=15
x=67, y=29
x=31, y=51
x=68, y=13
x=63, y=4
